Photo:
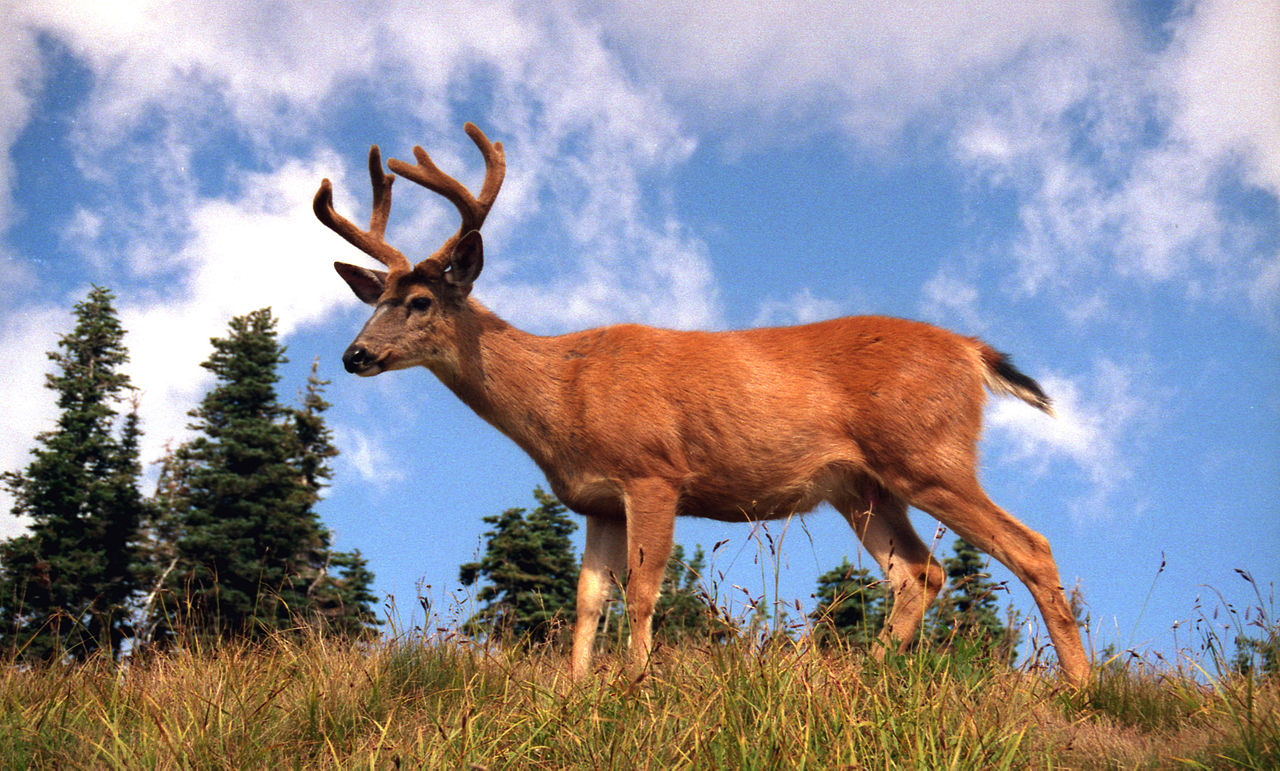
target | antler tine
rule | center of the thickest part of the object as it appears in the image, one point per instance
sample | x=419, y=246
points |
x=495, y=166
x=473, y=210
x=372, y=241
x=381, y=194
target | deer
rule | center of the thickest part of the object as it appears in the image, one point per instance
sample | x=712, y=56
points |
x=634, y=425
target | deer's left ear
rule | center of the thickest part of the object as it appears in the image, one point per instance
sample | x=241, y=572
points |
x=466, y=262
x=367, y=284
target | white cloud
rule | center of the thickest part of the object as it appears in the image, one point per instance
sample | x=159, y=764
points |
x=579, y=132
x=1118, y=153
x=191, y=242
x=801, y=307
x=20, y=73
x=195, y=57
x=1224, y=68
x=1266, y=288
x=1121, y=163
x=367, y=457
x=866, y=67
x=947, y=296
x=260, y=249
x=28, y=407
x=1092, y=430
x=654, y=277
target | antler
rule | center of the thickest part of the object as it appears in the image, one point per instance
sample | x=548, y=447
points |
x=372, y=241
x=473, y=210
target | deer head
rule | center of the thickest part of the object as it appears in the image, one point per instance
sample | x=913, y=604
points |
x=418, y=307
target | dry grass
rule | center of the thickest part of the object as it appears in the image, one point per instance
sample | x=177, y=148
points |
x=443, y=704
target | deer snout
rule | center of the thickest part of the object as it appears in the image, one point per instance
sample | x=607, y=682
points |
x=358, y=360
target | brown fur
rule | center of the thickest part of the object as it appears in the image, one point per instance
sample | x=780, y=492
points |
x=635, y=425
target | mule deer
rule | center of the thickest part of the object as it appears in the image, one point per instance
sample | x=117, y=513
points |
x=634, y=425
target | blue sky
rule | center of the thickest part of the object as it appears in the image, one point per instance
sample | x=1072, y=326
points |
x=1091, y=187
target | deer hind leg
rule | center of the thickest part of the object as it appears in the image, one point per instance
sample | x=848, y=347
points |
x=651, y=508
x=914, y=576
x=603, y=559
x=965, y=508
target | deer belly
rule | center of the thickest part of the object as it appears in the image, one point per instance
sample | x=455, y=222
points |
x=751, y=499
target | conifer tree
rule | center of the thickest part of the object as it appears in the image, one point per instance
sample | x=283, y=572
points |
x=683, y=611
x=344, y=598
x=530, y=572
x=67, y=584
x=852, y=606
x=158, y=549
x=968, y=611
x=314, y=439
x=1259, y=656
x=251, y=554
x=339, y=584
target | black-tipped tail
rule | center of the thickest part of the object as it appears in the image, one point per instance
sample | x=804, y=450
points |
x=1002, y=377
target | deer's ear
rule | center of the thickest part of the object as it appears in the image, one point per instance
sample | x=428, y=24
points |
x=367, y=284
x=466, y=262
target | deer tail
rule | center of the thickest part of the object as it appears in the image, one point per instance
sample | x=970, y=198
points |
x=1002, y=377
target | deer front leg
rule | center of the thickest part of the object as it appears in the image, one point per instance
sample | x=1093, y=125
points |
x=603, y=559
x=651, y=510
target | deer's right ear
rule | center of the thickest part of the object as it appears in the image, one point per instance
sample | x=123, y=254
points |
x=367, y=284
x=466, y=262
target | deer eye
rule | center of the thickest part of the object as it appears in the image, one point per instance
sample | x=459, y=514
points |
x=420, y=303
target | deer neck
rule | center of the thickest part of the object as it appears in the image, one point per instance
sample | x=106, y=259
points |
x=509, y=377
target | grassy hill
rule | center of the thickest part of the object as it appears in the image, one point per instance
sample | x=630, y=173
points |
x=406, y=702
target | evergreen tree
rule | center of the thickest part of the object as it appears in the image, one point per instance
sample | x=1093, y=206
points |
x=159, y=547
x=66, y=585
x=968, y=612
x=1259, y=656
x=530, y=572
x=314, y=439
x=339, y=584
x=251, y=554
x=345, y=598
x=683, y=611
x=852, y=606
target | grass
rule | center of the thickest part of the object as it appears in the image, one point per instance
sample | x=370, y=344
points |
x=441, y=703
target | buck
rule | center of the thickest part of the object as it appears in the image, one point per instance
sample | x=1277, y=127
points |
x=634, y=426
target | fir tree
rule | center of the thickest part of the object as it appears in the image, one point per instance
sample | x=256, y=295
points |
x=530, y=572
x=852, y=606
x=251, y=554
x=66, y=585
x=159, y=548
x=683, y=610
x=968, y=612
x=339, y=584
x=345, y=599
x=1258, y=656
x=314, y=439
x=1258, y=653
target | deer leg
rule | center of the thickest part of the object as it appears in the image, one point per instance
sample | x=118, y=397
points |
x=603, y=559
x=914, y=576
x=651, y=507
x=967, y=510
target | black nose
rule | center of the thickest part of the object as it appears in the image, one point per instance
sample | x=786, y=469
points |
x=356, y=358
